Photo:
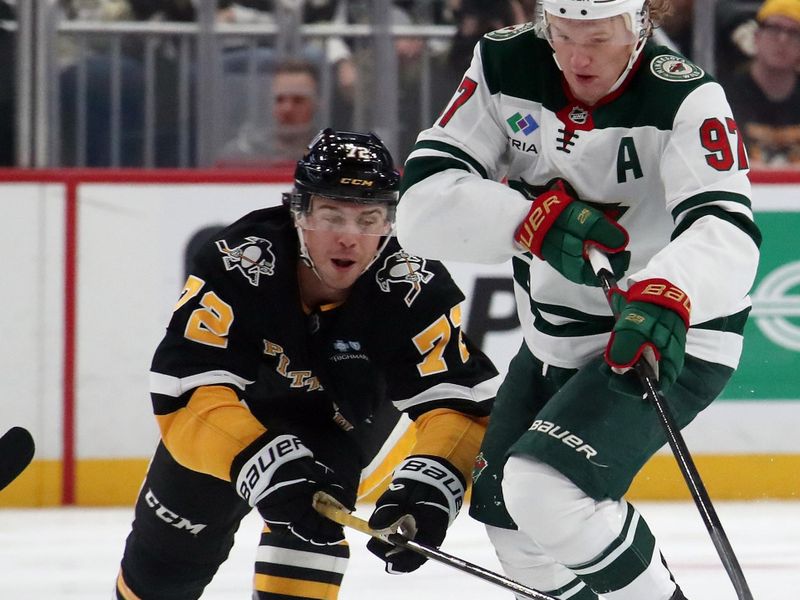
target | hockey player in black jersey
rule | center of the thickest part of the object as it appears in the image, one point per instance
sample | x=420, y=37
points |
x=298, y=328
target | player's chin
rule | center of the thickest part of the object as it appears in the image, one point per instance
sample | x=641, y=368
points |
x=586, y=86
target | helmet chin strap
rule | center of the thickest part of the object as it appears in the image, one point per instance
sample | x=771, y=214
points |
x=380, y=249
x=304, y=255
x=637, y=50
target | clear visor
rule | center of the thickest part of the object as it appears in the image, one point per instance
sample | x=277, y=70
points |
x=337, y=216
x=610, y=31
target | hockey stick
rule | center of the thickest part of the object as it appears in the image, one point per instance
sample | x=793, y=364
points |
x=330, y=508
x=648, y=380
x=16, y=453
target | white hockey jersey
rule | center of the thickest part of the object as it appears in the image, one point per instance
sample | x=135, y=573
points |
x=662, y=154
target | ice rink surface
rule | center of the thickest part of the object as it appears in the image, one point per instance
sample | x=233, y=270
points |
x=73, y=554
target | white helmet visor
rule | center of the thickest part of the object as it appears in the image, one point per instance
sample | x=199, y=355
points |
x=360, y=218
x=607, y=31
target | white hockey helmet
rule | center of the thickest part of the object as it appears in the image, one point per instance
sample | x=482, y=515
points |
x=635, y=12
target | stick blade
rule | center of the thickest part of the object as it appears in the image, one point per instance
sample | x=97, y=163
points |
x=16, y=453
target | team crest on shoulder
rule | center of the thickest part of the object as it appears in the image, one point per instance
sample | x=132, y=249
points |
x=506, y=33
x=254, y=258
x=402, y=267
x=675, y=68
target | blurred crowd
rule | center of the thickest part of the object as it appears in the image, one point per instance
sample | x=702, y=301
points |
x=757, y=60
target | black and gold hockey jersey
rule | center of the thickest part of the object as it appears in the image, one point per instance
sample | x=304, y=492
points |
x=242, y=354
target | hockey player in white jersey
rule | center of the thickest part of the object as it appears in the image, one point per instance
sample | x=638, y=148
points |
x=571, y=132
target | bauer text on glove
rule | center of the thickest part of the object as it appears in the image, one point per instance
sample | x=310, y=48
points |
x=423, y=498
x=559, y=229
x=280, y=479
x=652, y=323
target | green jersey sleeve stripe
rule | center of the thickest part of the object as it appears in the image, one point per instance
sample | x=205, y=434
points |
x=452, y=150
x=737, y=220
x=709, y=198
x=417, y=169
x=732, y=323
x=585, y=324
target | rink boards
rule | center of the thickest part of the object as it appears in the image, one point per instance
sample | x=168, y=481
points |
x=94, y=259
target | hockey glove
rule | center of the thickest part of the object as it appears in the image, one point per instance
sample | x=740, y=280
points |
x=422, y=500
x=280, y=479
x=653, y=320
x=559, y=229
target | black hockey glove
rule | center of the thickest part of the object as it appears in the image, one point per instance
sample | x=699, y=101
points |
x=422, y=500
x=560, y=228
x=280, y=478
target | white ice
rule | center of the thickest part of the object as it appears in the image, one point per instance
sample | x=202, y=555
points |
x=73, y=554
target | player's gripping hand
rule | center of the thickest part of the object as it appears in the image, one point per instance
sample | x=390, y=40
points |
x=653, y=320
x=560, y=228
x=423, y=498
x=280, y=479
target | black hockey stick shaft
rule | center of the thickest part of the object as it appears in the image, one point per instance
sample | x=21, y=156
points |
x=16, y=453
x=676, y=442
x=331, y=509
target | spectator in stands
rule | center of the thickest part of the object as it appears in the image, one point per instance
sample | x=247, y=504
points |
x=765, y=96
x=100, y=71
x=473, y=19
x=294, y=93
x=93, y=146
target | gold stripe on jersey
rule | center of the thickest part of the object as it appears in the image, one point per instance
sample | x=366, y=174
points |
x=288, y=567
x=123, y=591
x=268, y=587
x=209, y=431
x=451, y=435
x=382, y=473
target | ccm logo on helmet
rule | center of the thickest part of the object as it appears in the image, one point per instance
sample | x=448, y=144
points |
x=353, y=181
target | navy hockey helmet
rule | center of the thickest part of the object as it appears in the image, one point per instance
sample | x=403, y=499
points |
x=348, y=166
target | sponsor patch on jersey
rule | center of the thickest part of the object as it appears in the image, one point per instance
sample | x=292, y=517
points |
x=346, y=350
x=506, y=33
x=525, y=124
x=253, y=259
x=403, y=268
x=346, y=346
x=675, y=68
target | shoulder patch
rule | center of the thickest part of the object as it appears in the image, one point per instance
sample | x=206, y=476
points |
x=670, y=67
x=506, y=33
x=403, y=268
x=252, y=259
